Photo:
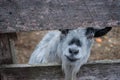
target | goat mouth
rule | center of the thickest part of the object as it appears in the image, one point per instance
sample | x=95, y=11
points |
x=71, y=58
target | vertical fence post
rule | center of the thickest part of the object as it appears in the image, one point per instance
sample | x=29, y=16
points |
x=7, y=50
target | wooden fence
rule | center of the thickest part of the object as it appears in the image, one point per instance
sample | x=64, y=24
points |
x=27, y=15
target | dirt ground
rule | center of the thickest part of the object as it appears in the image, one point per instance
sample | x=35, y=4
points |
x=107, y=47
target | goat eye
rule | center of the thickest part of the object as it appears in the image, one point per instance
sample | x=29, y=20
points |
x=78, y=43
x=71, y=42
x=75, y=41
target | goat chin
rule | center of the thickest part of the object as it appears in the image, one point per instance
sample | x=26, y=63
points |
x=70, y=69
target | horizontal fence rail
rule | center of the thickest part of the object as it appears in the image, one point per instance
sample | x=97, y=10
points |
x=99, y=70
x=26, y=15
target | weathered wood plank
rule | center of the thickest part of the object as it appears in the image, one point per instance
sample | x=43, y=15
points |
x=26, y=15
x=92, y=71
x=6, y=51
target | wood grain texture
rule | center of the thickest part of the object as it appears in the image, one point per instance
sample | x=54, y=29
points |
x=26, y=15
x=5, y=48
x=90, y=71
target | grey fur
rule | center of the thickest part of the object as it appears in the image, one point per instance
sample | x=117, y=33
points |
x=54, y=48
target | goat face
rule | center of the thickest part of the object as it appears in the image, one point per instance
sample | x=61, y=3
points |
x=77, y=43
x=75, y=46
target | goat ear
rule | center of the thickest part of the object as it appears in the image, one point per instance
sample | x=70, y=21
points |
x=64, y=31
x=102, y=32
x=93, y=32
x=90, y=32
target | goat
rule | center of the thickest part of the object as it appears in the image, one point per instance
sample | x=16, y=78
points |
x=71, y=48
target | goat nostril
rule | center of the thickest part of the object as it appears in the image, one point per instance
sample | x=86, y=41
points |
x=73, y=51
x=76, y=52
x=70, y=51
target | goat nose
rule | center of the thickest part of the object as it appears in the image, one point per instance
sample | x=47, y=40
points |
x=73, y=51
